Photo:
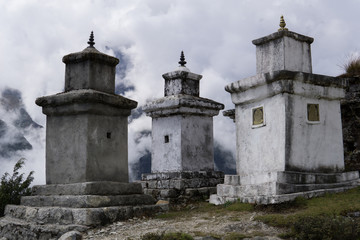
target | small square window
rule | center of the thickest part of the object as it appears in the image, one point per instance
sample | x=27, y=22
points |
x=258, y=117
x=108, y=135
x=313, y=113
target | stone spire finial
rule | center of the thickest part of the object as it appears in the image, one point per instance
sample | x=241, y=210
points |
x=91, y=40
x=282, y=24
x=182, y=59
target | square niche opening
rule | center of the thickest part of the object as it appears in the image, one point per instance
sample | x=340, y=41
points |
x=313, y=113
x=258, y=117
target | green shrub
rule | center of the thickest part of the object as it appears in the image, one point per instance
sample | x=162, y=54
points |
x=352, y=67
x=177, y=236
x=326, y=227
x=14, y=187
x=235, y=236
x=151, y=236
x=166, y=236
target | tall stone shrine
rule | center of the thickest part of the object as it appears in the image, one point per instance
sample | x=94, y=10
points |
x=288, y=127
x=182, y=157
x=86, y=156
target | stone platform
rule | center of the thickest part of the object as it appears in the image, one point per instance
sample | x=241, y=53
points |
x=282, y=186
x=53, y=210
x=178, y=187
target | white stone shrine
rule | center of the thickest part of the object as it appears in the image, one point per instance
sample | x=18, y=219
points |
x=182, y=159
x=288, y=127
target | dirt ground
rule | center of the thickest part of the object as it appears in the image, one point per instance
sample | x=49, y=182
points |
x=215, y=224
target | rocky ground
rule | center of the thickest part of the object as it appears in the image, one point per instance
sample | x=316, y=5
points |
x=198, y=224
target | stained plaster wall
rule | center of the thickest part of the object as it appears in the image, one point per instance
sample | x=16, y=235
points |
x=314, y=146
x=261, y=150
x=288, y=141
x=79, y=148
x=166, y=157
x=197, y=143
x=283, y=53
x=189, y=146
x=90, y=74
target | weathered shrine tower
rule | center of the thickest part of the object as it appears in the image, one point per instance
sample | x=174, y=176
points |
x=288, y=126
x=86, y=134
x=86, y=155
x=182, y=163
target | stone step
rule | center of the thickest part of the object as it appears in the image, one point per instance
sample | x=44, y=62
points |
x=237, y=191
x=274, y=188
x=273, y=199
x=14, y=229
x=284, y=188
x=291, y=177
x=86, y=201
x=88, y=188
x=80, y=216
x=316, y=178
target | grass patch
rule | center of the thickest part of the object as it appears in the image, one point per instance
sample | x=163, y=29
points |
x=326, y=227
x=337, y=204
x=167, y=236
x=170, y=215
x=286, y=207
x=191, y=210
x=239, y=206
x=325, y=217
x=317, y=218
x=203, y=234
x=235, y=236
x=286, y=235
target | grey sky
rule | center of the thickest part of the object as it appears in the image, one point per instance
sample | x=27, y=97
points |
x=215, y=35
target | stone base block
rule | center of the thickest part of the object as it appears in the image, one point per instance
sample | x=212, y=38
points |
x=14, y=229
x=316, y=178
x=87, y=201
x=274, y=199
x=24, y=222
x=80, y=216
x=291, y=177
x=178, y=187
x=284, y=187
x=240, y=191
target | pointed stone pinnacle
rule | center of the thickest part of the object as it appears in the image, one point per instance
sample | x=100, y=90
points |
x=182, y=61
x=282, y=24
x=91, y=40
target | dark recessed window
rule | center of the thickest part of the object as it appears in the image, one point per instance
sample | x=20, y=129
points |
x=108, y=134
x=166, y=138
x=313, y=113
x=258, y=116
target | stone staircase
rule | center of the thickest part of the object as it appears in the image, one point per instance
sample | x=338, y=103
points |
x=56, y=209
x=284, y=186
x=291, y=182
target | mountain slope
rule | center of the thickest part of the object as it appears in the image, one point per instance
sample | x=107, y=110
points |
x=15, y=124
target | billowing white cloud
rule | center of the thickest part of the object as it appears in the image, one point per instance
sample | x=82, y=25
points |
x=215, y=36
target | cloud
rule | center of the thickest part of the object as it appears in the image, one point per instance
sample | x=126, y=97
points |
x=215, y=36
